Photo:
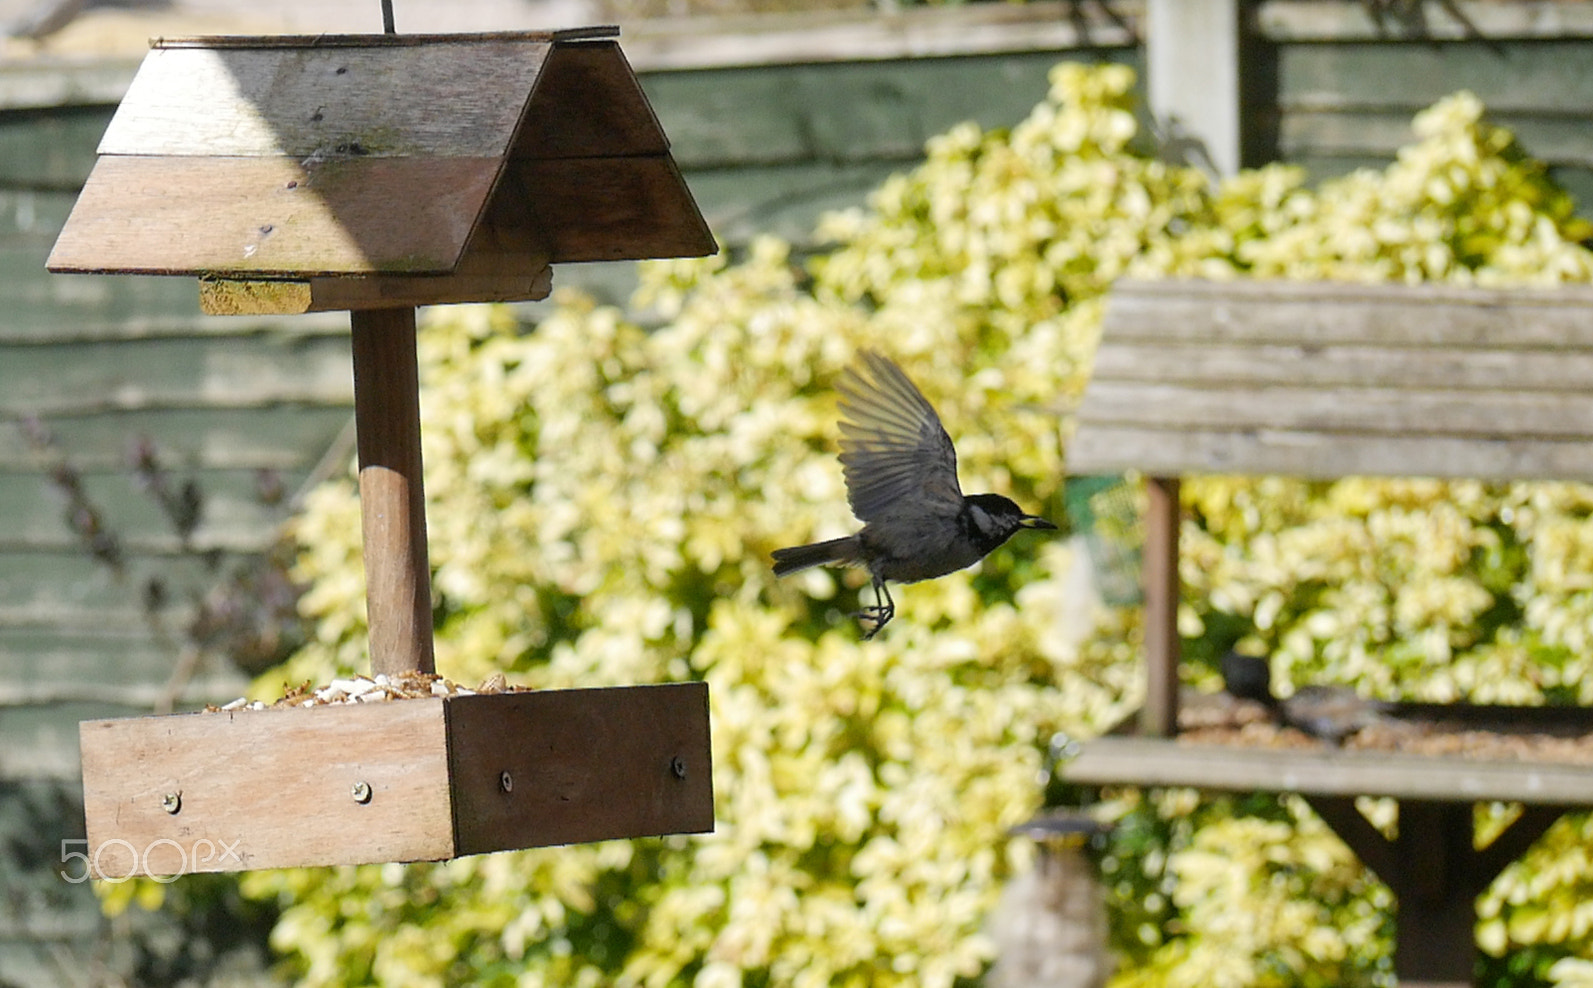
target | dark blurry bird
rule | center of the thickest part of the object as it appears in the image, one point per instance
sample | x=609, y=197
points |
x=901, y=480
x=1328, y=713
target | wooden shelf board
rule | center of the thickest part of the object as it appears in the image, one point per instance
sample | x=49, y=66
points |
x=1154, y=762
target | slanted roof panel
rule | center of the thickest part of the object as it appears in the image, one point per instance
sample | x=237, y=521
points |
x=588, y=103
x=459, y=99
x=594, y=163
x=612, y=209
x=261, y=216
x=1328, y=380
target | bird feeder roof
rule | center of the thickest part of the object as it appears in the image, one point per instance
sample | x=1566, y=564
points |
x=1328, y=380
x=380, y=169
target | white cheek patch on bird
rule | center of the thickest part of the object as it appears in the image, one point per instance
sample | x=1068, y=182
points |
x=901, y=481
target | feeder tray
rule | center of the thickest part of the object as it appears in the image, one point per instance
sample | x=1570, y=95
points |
x=375, y=174
x=402, y=780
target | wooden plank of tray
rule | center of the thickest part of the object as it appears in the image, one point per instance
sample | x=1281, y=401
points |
x=1155, y=762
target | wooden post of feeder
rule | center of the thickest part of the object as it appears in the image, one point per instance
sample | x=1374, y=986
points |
x=392, y=483
x=1159, y=717
x=392, y=491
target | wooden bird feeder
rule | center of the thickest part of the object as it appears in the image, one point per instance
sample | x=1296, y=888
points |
x=375, y=174
x=1320, y=381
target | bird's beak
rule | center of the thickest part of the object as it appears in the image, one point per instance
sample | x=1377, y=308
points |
x=1035, y=521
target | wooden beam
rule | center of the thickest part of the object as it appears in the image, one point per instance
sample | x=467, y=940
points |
x=1512, y=843
x=1136, y=761
x=1431, y=868
x=243, y=297
x=1380, y=854
x=1321, y=314
x=1162, y=515
x=1192, y=70
x=1486, y=371
x=870, y=34
x=392, y=492
x=1429, y=22
x=1434, y=940
x=1108, y=448
x=1366, y=413
x=1367, y=842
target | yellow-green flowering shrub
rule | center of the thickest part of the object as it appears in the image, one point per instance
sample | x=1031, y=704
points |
x=1275, y=901
x=602, y=505
x=602, y=501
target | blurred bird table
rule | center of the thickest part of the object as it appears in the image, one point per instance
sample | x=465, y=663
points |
x=375, y=174
x=1323, y=381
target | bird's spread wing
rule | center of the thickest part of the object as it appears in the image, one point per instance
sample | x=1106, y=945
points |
x=894, y=450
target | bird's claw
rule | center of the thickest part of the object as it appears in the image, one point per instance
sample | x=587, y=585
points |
x=879, y=616
x=880, y=613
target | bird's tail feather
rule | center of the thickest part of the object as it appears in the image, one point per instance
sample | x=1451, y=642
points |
x=844, y=551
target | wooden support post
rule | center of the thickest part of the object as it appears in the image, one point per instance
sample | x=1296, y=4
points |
x=1436, y=873
x=1431, y=868
x=1159, y=717
x=1192, y=56
x=392, y=494
x=1435, y=939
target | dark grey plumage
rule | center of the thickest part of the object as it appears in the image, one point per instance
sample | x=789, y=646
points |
x=895, y=454
x=901, y=481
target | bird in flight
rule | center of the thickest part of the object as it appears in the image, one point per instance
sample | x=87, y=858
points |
x=901, y=480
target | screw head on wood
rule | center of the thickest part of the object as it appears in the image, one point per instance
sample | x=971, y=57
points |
x=361, y=792
x=677, y=767
x=172, y=802
x=506, y=781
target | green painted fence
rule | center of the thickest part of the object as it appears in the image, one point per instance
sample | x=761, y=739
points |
x=105, y=362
